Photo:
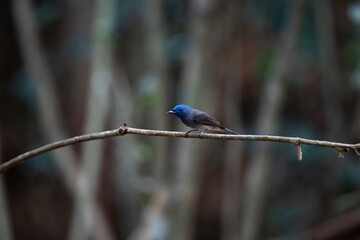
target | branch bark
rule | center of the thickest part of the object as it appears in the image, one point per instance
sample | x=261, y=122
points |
x=340, y=147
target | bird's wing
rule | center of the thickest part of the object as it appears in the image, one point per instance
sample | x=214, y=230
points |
x=205, y=119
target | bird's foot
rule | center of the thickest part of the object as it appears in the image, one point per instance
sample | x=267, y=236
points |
x=187, y=133
x=202, y=132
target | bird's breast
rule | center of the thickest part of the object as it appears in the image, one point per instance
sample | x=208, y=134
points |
x=189, y=122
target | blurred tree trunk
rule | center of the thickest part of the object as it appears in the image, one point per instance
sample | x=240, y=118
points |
x=331, y=76
x=194, y=87
x=34, y=60
x=49, y=115
x=267, y=122
x=355, y=125
x=5, y=230
x=156, y=75
x=5, y=223
x=125, y=175
x=231, y=201
x=84, y=218
x=152, y=222
x=73, y=59
x=157, y=69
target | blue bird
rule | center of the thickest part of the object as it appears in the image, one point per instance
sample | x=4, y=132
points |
x=198, y=120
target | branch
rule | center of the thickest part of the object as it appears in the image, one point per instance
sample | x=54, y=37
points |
x=340, y=147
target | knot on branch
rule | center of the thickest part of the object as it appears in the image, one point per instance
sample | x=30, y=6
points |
x=123, y=129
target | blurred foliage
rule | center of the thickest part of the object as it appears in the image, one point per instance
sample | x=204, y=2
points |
x=47, y=12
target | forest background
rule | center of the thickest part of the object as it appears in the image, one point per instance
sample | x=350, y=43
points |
x=278, y=67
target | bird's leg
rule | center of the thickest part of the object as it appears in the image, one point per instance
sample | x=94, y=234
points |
x=203, y=132
x=191, y=130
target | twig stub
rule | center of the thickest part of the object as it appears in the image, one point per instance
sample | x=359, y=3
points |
x=299, y=152
x=357, y=151
x=341, y=151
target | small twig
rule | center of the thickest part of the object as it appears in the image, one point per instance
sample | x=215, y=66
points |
x=357, y=151
x=299, y=152
x=123, y=130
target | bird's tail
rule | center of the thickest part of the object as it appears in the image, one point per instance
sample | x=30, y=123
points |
x=230, y=131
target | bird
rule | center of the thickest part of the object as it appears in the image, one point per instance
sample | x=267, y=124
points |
x=198, y=120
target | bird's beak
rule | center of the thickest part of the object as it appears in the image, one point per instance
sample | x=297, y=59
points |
x=171, y=112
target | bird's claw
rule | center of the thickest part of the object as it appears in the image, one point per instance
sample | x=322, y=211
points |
x=202, y=132
x=191, y=130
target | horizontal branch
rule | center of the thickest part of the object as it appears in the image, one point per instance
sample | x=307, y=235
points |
x=340, y=147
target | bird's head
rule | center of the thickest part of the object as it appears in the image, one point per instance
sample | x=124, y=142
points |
x=181, y=111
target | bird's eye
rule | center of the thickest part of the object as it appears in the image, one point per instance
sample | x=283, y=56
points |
x=180, y=109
